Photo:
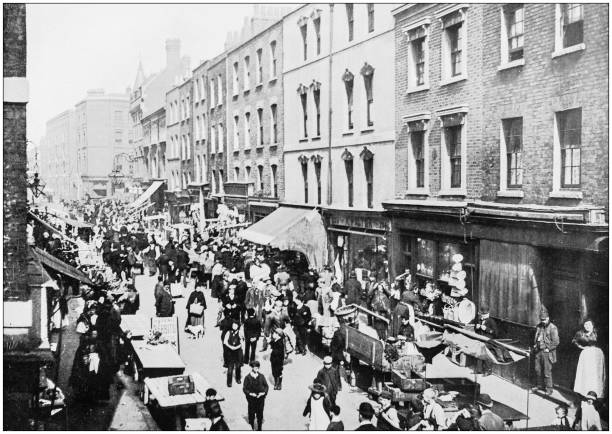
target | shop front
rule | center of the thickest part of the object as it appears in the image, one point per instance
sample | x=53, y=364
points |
x=357, y=241
x=515, y=260
x=259, y=208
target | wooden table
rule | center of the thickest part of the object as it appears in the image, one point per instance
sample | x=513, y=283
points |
x=156, y=360
x=156, y=389
x=138, y=325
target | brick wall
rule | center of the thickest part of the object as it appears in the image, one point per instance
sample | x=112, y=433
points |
x=217, y=161
x=535, y=91
x=467, y=92
x=270, y=92
x=538, y=89
x=15, y=159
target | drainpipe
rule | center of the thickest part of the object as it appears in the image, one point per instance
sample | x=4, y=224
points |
x=329, y=99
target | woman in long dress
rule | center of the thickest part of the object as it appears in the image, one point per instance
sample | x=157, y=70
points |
x=194, y=317
x=591, y=369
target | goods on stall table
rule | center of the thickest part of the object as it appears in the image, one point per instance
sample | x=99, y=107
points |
x=180, y=385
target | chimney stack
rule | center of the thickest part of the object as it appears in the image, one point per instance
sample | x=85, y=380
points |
x=173, y=52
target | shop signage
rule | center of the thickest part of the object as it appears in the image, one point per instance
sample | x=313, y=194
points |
x=360, y=222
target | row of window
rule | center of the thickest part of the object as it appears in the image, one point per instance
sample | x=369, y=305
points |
x=368, y=168
x=566, y=154
x=259, y=140
x=316, y=24
x=246, y=72
x=179, y=111
x=180, y=147
x=568, y=34
x=348, y=78
x=259, y=183
x=216, y=91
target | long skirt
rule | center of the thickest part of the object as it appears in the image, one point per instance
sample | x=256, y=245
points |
x=194, y=320
x=590, y=372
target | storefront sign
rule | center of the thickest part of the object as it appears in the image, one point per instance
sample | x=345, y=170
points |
x=353, y=221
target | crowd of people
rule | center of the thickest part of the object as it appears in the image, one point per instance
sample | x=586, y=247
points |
x=263, y=297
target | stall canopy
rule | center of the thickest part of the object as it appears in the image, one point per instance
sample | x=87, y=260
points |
x=50, y=228
x=146, y=195
x=61, y=267
x=289, y=228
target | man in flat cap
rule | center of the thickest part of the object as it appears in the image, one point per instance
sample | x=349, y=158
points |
x=545, y=349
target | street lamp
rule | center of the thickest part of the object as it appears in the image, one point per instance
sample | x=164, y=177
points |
x=36, y=185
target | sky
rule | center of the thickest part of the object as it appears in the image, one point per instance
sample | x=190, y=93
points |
x=76, y=47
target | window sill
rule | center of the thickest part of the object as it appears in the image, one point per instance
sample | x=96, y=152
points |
x=565, y=194
x=235, y=96
x=568, y=50
x=315, y=138
x=453, y=80
x=259, y=86
x=348, y=133
x=236, y=151
x=519, y=194
x=172, y=158
x=453, y=192
x=259, y=147
x=304, y=140
x=510, y=65
x=417, y=192
x=367, y=130
x=272, y=80
x=246, y=91
x=272, y=146
x=417, y=89
x=247, y=150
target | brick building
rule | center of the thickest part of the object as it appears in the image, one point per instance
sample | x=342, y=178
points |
x=27, y=355
x=154, y=144
x=255, y=116
x=501, y=156
x=216, y=88
x=174, y=146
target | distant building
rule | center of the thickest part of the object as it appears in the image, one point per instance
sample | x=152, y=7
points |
x=57, y=158
x=101, y=124
x=200, y=184
x=147, y=97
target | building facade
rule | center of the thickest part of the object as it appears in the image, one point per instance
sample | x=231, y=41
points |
x=174, y=148
x=199, y=186
x=217, y=122
x=339, y=155
x=495, y=160
x=255, y=119
x=101, y=128
x=154, y=144
x=148, y=96
x=58, y=158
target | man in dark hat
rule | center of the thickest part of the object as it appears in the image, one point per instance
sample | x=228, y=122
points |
x=252, y=333
x=255, y=388
x=366, y=413
x=545, y=347
x=488, y=421
x=300, y=319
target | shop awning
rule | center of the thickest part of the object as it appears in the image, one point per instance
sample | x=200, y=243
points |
x=37, y=276
x=50, y=228
x=61, y=267
x=290, y=228
x=147, y=194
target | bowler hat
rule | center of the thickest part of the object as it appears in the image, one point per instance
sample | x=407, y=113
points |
x=485, y=400
x=366, y=410
x=255, y=364
x=592, y=395
x=327, y=360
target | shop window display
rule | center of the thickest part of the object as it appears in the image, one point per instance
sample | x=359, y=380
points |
x=369, y=253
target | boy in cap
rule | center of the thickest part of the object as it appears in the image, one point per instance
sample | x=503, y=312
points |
x=387, y=418
x=255, y=389
x=330, y=378
x=545, y=348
